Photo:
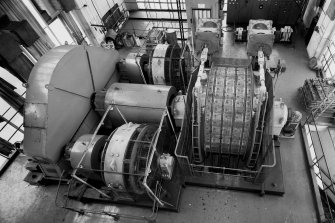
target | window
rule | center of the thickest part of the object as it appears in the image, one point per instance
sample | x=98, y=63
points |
x=11, y=129
x=164, y=9
x=41, y=21
x=160, y=4
x=201, y=14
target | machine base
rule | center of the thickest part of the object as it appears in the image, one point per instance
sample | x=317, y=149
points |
x=274, y=183
x=88, y=195
x=172, y=196
x=37, y=178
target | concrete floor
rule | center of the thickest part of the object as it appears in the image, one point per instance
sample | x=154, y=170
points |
x=21, y=202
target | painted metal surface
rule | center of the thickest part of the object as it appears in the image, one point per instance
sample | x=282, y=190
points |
x=57, y=106
x=115, y=156
x=279, y=117
x=138, y=103
x=126, y=157
x=178, y=109
x=158, y=64
x=133, y=67
x=208, y=34
x=91, y=158
x=260, y=36
x=209, y=25
x=165, y=66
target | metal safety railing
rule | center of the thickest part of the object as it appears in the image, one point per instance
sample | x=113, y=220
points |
x=191, y=167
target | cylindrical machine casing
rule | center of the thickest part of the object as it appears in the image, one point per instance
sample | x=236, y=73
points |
x=92, y=157
x=138, y=103
x=178, y=109
x=164, y=66
x=115, y=155
x=132, y=68
x=159, y=57
x=126, y=155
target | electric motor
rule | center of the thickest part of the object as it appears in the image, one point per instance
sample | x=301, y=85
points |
x=162, y=64
x=91, y=162
x=260, y=35
x=134, y=68
x=127, y=152
x=208, y=33
x=164, y=67
x=136, y=103
x=121, y=160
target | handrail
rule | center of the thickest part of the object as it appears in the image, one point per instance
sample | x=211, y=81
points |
x=147, y=171
x=268, y=166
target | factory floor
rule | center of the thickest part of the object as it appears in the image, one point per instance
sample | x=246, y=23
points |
x=21, y=202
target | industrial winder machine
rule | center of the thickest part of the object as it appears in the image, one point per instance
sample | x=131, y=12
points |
x=226, y=139
x=132, y=152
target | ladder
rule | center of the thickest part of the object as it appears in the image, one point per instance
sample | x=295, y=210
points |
x=257, y=140
x=196, y=130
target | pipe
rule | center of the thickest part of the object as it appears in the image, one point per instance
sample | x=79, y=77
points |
x=142, y=74
x=268, y=166
x=168, y=114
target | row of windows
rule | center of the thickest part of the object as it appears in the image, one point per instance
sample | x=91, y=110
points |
x=167, y=15
x=160, y=4
x=11, y=129
x=165, y=5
